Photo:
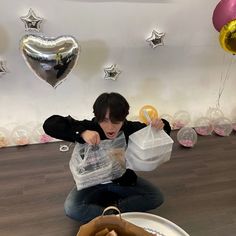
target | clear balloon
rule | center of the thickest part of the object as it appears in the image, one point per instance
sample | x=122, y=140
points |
x=234, y=123
x=214, y=113
x=203, y=126
x=181, y=119
x=224, y=12
x=149, y=111
x=228, y=37
x=234, y=126
x=223, y=126
x=4, y=137
x=187, y=137
x=40, y=136
x=233, y=117
x=51, y=59
x=20, y=135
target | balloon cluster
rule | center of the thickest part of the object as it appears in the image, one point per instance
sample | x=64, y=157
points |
x=221, y=125
x=224, y=21
x=213, y=121
x=21, y=135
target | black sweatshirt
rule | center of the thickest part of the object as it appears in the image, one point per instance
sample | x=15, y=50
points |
x=69, y=129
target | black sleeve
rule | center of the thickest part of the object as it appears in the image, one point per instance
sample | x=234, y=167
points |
x=65, y=128
x=167, y=126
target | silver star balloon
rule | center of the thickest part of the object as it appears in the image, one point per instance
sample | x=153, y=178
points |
x=156, y=39
x=3, y=69
x=31, y=21
x=112, y=72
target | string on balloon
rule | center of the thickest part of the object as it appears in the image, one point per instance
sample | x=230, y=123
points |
x=223, y=80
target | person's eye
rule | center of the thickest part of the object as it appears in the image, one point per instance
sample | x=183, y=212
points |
x=116, y=122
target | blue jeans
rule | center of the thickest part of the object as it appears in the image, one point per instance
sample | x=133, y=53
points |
x=86, y=204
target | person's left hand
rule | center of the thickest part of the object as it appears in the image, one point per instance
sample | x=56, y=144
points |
x=157, y=123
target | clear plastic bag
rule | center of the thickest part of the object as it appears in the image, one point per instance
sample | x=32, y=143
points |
x=148, y=149
x=91, y=165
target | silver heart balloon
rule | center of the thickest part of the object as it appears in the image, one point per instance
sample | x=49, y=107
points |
x=51, y=59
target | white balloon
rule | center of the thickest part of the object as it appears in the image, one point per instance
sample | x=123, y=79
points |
x=40, y=136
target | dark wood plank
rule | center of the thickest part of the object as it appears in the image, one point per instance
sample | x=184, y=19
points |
x=199, y=186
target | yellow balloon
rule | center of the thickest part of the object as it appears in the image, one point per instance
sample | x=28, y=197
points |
x=228, y=37
x=150, y=110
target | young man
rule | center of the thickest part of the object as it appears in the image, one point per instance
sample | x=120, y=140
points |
x=129, y=192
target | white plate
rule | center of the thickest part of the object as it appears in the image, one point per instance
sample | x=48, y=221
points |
x=154, y=224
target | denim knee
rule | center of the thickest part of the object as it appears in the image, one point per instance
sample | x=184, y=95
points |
x=82, y=212
x=155, y=198
x=160, y=200
x=69, y=210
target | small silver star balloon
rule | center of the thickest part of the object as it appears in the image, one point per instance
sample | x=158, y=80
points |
x=156, y=39
x=112, y=72
x=3, y=69
x=31, y=21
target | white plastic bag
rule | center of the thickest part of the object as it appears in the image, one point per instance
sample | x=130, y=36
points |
x=91, y=165
x=148, y=149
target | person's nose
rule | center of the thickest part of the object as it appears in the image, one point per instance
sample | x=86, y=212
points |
x=110, y=125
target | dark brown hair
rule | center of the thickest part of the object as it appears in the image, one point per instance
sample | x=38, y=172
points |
x=116, y=103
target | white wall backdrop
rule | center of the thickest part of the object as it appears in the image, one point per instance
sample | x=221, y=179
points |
x=184, y=74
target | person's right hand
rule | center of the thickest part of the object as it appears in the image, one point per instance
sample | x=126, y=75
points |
x=91, y=137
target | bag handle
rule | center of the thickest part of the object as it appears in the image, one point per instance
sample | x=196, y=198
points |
x=89, y=147
x=111, y=208
x=147, y=116
x=150, y=124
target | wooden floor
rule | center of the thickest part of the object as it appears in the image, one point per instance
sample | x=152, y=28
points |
x=199, y=185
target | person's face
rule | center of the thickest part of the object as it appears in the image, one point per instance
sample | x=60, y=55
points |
x=110, y=129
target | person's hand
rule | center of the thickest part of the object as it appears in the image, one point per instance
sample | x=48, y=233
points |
x=91, y=137
x=157, y=124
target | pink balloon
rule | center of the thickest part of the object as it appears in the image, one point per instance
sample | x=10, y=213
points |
x=224, y=12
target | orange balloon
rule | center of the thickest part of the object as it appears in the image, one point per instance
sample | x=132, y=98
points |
x=150, y=110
